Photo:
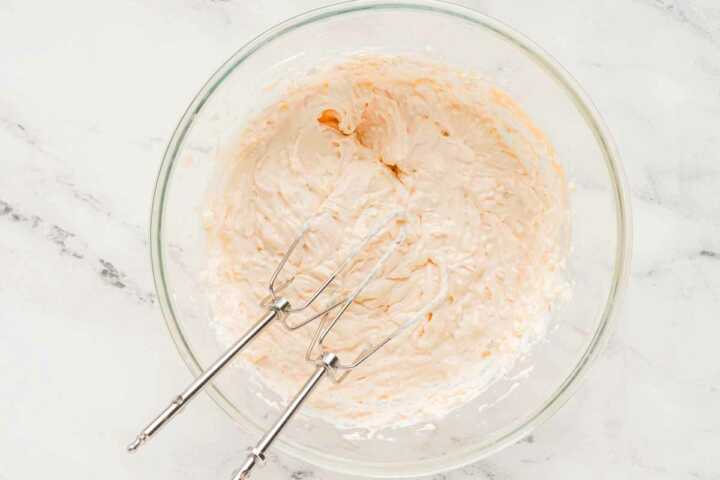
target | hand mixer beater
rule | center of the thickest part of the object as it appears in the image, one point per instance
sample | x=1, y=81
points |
x=329, y=362
x=278, y=307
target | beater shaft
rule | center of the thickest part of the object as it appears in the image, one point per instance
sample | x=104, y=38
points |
x=181, y=400
x=257, y=454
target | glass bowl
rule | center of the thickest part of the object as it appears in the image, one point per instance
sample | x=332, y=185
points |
x=601, y=227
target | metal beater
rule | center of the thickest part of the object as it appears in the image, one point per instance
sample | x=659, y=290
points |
x=279, y=307
x=329, y=363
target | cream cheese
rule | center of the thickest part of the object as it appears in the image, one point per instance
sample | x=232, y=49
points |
x=486, y=209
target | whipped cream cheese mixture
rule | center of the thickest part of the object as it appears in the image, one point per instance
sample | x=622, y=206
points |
x=485, y=211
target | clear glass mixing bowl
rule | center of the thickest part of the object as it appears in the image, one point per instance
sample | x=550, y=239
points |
x=454, y=35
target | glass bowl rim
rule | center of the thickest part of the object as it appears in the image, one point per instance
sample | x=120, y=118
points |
x=600, y=337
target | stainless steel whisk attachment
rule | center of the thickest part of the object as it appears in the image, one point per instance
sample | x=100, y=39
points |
x=329, y=363
x=278, y=307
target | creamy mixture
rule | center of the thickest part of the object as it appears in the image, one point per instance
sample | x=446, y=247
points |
x=485, y=211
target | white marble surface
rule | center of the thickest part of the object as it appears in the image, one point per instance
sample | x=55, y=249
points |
x=90, y=92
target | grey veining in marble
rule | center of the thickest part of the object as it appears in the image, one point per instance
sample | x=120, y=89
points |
x=89, y=93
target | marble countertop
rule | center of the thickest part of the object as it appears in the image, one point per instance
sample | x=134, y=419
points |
x=89, y=94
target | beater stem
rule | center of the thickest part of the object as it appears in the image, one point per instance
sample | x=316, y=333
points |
x=278, y=307
x=257, y=454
